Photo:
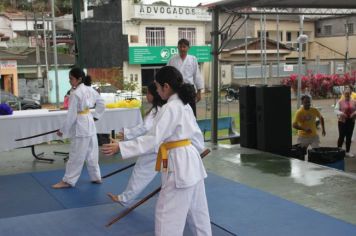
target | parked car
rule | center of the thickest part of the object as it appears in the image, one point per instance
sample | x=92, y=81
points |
x=107, y=91
x=111, y=94
x=19, y=103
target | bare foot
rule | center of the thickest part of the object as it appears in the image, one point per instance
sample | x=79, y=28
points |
x=97, y=181
x=61, y=184
x=113, y=197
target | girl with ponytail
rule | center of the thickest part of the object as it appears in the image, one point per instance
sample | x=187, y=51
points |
x=80, y=128
x=179, y=141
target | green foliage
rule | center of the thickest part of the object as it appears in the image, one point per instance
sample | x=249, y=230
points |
x=130, y=86
x=2, y=7
x=160, y=3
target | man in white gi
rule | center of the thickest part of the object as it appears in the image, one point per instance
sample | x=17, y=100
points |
x=188, y=66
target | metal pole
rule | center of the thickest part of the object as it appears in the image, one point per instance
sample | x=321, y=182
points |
x=85, y=2
x=214, y=72
x=264, y=50
x=300, y=61
x=77, y=22
x=278, y=46
x=246, y=50
x=54, y=41
x=261, y=47
x=46, y=56
x=347, y=45
x=38, y=59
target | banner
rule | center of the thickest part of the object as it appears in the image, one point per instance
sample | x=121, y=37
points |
x=161, y=55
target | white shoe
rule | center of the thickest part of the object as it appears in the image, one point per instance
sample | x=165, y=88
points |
x=349, y=154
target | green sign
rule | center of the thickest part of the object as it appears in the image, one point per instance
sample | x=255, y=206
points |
x=161, y=55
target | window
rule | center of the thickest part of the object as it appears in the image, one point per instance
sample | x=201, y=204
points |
x=187, y=33
x=155, y=36
x=38, y=26
x=289, y=36
x=280, y=36
x=327, y=29
x=259, y=34
x=349, y=29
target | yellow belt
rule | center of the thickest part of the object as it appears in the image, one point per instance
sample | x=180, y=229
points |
x=162, y=156
x=84, y=112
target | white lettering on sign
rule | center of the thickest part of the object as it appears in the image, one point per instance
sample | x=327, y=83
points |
x=174, y=51
x=171, y=13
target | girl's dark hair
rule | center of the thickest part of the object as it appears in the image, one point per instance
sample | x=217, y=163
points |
x=79, y=73
x=172, y=76
x=157, y=100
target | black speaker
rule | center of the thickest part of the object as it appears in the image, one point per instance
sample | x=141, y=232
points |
x=248, y=132
x=273, y=110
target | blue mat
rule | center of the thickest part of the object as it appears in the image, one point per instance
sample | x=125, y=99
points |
x=87, y=221
x=85, y=193
x=21, y=194
x=233, y=206
x=247, y=211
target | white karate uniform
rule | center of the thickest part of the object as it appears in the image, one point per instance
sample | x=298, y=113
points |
x=189, y=68
x=182, y=197
x=144, y=170
x=82, y=131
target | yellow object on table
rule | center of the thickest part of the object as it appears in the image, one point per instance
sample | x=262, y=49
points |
x=133, y=103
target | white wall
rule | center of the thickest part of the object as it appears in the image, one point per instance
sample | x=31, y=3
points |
x=5, y=27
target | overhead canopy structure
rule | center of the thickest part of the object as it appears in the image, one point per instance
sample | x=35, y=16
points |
x=231, y=4
x=301, y=7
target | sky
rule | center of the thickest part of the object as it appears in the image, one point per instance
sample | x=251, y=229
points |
x=191, y=3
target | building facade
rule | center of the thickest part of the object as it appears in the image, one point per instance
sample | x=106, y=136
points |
x=153, y=32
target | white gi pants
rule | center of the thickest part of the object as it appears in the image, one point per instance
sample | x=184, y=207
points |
x=176, y=206
x=82, y=149
x=142, y=174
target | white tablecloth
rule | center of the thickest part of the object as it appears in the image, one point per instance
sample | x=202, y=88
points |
x=27, y=123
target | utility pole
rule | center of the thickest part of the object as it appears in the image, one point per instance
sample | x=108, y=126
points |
x=54, y=41
x=77, y=23
x=38, y=58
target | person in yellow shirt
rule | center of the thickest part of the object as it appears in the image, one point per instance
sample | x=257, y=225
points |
x=353, y=94
x=304, y=122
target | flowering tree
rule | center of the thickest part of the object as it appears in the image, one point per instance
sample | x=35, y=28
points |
x=320, y=85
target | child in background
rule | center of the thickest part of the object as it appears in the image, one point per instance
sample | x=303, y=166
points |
x=66, y=100
x=143, y=172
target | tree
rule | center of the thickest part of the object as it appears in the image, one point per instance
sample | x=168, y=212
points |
x=130, y=86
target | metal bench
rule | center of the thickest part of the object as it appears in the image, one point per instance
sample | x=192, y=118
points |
x=224, y=123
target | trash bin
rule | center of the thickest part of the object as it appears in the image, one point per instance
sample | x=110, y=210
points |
x=298, y=152
x=328, y=156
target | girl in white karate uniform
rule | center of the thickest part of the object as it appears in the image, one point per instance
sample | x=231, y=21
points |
x=182, y=198
x=143, y=172
x=80, y=127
